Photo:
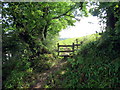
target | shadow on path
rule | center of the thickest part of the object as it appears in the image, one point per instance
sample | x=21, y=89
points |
x=41, y=78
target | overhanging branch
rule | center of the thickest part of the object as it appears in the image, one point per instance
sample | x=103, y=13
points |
x=64, y=14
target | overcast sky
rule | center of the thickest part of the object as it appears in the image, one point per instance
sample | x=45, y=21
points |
x=86, y=26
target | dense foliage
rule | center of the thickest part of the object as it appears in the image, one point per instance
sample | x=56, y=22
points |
x=30, y=30
x=97, y=63
x=90, y=68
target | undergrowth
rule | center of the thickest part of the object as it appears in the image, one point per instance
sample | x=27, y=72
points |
x=91, y=67
x=20, y=74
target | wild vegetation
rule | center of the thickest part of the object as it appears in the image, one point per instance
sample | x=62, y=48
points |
x=30, y=31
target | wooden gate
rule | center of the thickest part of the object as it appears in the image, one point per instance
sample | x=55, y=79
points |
x=74, y=47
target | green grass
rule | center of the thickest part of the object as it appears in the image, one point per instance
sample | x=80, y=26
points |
x=86, y=39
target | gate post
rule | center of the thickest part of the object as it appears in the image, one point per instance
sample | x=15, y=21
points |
x=73, y=47
x=77, y=43
x=58, y=48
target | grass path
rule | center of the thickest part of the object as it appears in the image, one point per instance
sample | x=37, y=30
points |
x=43, y=77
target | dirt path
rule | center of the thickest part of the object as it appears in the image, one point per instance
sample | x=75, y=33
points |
x=41, y=78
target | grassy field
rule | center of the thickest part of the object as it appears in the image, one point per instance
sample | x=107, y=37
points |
x=85, y=39
x=70, y=41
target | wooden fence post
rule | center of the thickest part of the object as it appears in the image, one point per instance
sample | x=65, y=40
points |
x=73, y=47
x=58, y=49
x=77, y=43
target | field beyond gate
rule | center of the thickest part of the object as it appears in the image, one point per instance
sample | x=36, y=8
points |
x=74, y=47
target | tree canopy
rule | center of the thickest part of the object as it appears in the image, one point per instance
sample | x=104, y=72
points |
x=31, y=23
x=29, y=28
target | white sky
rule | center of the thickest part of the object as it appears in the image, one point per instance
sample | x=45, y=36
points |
x=86, y=26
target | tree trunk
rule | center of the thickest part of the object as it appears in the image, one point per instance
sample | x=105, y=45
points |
x=110, y=19
x=45, y=31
